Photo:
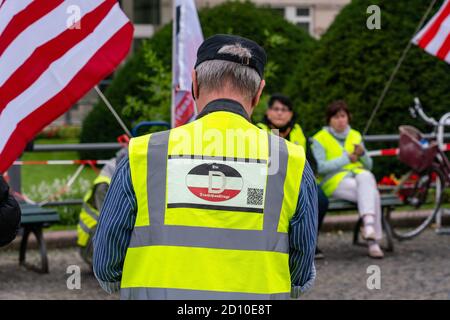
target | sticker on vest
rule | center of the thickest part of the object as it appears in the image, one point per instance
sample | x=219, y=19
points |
x=216, y=184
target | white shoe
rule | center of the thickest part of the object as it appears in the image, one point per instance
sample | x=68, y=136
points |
x=375, y=251
x=368, y=232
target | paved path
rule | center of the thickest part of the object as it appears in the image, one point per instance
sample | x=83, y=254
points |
x=19, y=283
x=418, y=269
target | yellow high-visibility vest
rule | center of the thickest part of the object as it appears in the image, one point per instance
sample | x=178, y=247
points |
x=89, y=215
x=296, y=134
x=212, y=220
x=333, y=150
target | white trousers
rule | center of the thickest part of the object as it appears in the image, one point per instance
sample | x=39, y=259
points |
x=362, y=189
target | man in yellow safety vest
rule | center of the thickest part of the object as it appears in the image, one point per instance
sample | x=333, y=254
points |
x=214, y=209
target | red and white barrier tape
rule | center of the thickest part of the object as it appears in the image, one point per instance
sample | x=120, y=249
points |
x=394, y=152
x=374, y=153
x=60, y=162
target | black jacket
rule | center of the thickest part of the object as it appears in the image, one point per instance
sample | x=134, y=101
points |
x=9, y=214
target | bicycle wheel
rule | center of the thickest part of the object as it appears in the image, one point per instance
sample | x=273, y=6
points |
x=422, y=199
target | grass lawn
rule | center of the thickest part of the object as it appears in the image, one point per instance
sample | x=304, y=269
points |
x=33, y=175
x=39, y=182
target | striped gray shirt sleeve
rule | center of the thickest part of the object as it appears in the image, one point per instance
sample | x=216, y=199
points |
x=303, y=236
x=114, y=229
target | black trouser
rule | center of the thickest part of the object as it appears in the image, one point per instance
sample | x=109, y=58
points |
x=323, y=205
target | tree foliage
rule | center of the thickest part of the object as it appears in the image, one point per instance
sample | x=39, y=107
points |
x=354, y=63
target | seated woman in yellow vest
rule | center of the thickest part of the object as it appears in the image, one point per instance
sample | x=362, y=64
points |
x=280, y=116
x=344, y=171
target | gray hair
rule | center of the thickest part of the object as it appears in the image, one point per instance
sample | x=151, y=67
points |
x=212, y=75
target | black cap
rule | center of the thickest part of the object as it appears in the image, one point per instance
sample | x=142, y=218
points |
x=209, y=50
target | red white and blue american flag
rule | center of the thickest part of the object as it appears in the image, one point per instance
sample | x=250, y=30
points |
x=52, y=52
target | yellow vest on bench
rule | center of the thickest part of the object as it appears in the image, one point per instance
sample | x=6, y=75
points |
x=333, y=150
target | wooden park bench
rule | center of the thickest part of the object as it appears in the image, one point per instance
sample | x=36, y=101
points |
x=388, y=203
x=34, y=219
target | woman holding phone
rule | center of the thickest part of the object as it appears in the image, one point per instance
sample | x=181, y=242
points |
x=344, y=168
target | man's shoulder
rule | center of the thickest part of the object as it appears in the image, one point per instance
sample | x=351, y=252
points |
x=295, y=151
x=262, y=126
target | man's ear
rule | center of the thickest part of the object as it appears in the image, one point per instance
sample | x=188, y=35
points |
x=194, y=85
x=256, y=99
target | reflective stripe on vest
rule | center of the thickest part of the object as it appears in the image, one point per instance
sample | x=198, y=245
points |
x=196, y=250
x=89, y=215
x=181, y=294
x=333, y=150
x=296, y=134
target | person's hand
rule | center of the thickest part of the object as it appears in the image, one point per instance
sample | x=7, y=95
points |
x=353, y=157
x=359, y=150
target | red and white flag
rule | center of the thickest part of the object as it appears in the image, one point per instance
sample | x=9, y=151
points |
x=52, y=52
x=187, y=38
x=435, y=37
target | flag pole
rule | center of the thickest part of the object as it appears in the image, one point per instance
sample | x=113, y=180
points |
x=397, y=67
x=115, y=114
x=174, y=32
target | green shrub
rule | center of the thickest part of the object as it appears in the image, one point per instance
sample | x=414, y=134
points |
x=61, y=132
x=354, y=63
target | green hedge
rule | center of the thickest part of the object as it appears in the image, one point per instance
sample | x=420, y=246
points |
x=354, y=63
x=286, y=46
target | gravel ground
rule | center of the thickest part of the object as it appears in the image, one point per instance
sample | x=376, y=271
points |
x=19, y=283
x=418, y=269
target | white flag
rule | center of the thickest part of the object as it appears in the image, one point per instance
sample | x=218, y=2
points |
x=187, y=38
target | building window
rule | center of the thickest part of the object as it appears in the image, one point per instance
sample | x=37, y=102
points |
x=300, y=16
x=302, y=12
x=147, y=12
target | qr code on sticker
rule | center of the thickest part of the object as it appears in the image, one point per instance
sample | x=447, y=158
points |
x=255, y=196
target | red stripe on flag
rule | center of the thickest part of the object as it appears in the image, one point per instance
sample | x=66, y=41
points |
x=46, y=54
x=443, y=51
x=102, y=63
x=21, y=21
x=434, y=28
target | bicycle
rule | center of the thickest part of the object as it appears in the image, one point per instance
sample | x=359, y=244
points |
x=422, y=189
